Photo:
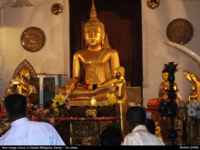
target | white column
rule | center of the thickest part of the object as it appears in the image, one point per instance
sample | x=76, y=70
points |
x=56, y=80
x=41, y=79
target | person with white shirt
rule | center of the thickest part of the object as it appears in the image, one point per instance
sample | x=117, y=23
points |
x=22, y=130
x=136, y=118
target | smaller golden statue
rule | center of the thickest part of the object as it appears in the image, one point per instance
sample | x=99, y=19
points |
x=164, y=87
x=21, y=84
x=195, y=94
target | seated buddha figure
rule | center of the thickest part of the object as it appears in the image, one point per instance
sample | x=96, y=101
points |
x=96, y=68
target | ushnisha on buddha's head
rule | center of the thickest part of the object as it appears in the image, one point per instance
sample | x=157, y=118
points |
x=94, y=31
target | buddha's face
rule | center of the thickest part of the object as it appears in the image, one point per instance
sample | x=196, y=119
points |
x=94, y=35
x=165, y=76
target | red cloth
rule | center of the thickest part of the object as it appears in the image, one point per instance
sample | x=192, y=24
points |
x=153, y=103
x=2, y=111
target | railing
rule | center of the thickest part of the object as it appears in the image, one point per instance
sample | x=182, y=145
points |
x=59, y=80
x=114, y=118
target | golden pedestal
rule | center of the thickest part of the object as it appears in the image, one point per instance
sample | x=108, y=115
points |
x=93, y=117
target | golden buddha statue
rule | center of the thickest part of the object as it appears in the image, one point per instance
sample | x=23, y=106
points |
x=21, y=84
x=195, y=95
x=97, y=64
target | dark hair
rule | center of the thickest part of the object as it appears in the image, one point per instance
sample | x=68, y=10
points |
x=15, y=105
x=112, y=135
x=136, y=116
x=150, y=126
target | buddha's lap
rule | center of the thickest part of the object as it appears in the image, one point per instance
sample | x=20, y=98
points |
x=99, y=93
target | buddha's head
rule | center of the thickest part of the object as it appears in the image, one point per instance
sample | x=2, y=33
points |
x=94, y=31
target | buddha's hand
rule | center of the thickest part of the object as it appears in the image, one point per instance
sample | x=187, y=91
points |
x=70, y=86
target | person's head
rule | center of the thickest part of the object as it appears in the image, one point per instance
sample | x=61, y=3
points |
x=150, y=126
x=94, y=29
x=112, y=135
x=15, y=105
x=135, y=116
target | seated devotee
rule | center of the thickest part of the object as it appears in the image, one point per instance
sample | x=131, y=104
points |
x=111, y=135
x=96, y=68
x=23, y=131
x=150, y=125
x=136, y=118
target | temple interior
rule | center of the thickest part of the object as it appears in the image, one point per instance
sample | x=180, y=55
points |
x=82, y=63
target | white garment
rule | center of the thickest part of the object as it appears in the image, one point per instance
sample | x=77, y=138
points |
x=26, y=132
x=141, y=136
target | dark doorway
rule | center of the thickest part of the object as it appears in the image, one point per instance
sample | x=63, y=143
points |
x=123, y=23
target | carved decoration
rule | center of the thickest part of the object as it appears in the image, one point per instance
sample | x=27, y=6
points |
x=153, y=3
x=23, y=83
x=33, y=39
x=57, y=8
x=180, y=31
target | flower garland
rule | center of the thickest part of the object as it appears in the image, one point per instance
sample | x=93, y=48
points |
x=60, y=104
